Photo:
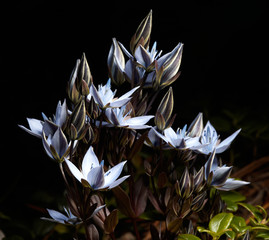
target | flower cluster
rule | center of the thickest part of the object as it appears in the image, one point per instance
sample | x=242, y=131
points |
x=97, y=136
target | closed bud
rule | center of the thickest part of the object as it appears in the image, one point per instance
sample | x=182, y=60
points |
x=89, y=138
x=80, y=80
x=72, y=90
x=77, y=129
x=84, y=72
x=163, y=114
x=199, y=182
x=185, y=184
x=142, y=34
x=196, y=127
x=198, y=202
x=167, y=68
x=116, y=63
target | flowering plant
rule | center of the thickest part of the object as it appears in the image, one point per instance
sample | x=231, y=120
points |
x=121, y=167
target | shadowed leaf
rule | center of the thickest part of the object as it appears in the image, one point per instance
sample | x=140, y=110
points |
x=123, y=202
x=111, y=221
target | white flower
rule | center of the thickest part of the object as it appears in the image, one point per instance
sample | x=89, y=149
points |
x=104, y=96
x=35, y=127
x=58, y=217
x=69, y=218
x=210, y=140
x=49, y=126
x=144, y=57
x=92, y=173
x=178, y=139
x=218, y=176
x=56, y=145
x=118, y=117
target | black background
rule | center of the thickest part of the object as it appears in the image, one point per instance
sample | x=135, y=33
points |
x=224, y=65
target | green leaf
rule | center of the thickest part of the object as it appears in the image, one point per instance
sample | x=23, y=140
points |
x=231, y=206
x=232, y=196
x=261, y=227
x=188, y=237
x=202, y=229
x=264, y=235
x=238, y=224
x=220, y=222
x=231, y=199
x=231, y=234
x=254, y=211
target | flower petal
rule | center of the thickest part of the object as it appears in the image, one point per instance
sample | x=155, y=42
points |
x=232, y=184
x=96, y=97
x=61, y=114
x=57, y=216
x=226, y=143
x=59, y=142
x=35, y=126
x=137, y=127
x=141, y=120
x=220, y=175
x=125, y=98
x=97, y=210
x=46, y=144
x=160, y=135
x=210, y=163
x=89, y=162
x=74, y=170
x=170, y=133
x=143, y=56
x=96, y=177
x=112, y=174
x=118, y=182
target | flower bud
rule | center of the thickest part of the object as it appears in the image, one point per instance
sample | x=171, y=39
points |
x=72, y=90
x=185, y=184
x=80, y=80
x=116, y=63
x=198, y=202
x=166, y=68
x=78, y=129
x=163, y=114
x=196, y=127
x=84, y=72
x=142, y=34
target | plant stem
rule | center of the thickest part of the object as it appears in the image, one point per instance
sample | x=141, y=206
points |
x=88, y=237
x=63, y=174
x=112, y=235
x=136, y=230
x=71, y=150
x=151, y=102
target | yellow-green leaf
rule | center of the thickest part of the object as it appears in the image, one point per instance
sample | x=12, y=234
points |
x=220, y=222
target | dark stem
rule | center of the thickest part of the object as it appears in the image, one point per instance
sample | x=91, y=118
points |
x=136, y=230
x=112, y=235
x=131, y=182
x=155, y=193
x=151, y=102
x=75, y=235
x=71, y=150
x=63, y=174
x=88, y=236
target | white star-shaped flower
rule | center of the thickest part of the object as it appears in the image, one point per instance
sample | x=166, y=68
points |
x=119, y=118
x=105, y=97
x=92, y=172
